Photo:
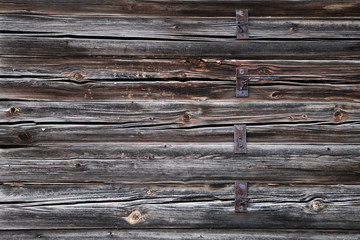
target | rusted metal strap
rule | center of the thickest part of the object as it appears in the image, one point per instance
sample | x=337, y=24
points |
x=241, y=197
x=242, y=31
x=240, y=138
x=242, y=82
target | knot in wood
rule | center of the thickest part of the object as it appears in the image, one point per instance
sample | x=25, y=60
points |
x=176, y=27
x=13, y=110
x=275, y=94
x=134, y=217
x=186, y=117
x=78, y=77
x=79, y=165
x=339, y=116
x=265, y=71
x=25, y=136
x=317, y=204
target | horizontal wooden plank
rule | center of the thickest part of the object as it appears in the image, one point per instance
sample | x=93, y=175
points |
x=178, y=28
x=177, y=90
x=206, y=79
x=178, y=206
x=175, y=162
x=207, y=8
x=184, y=234
x=51, y=49
x=278, y=133
x=177, y=113
x=261, y=71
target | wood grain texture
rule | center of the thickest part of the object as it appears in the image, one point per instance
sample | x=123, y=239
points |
x=27, y=134
x=167, y=91
x=184, y=234
x=179, y=28
x=194, y=206
x=208, y=8
x=180, y=163
x=177, y=113
x=220, y=68
x=117, y=117
x=166, y=79
x=52, y=48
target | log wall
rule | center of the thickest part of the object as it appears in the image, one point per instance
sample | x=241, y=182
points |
x=117, y=119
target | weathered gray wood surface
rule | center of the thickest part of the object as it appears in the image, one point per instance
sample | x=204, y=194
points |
x=220, y=68
x=305, y=133
x=184, y=234
x=207, y=8
x=55, y=89
x=174, y=162
x=178, y=114
x=118, y=115
x=53, y=48
x=194, y=206
x=180, y=28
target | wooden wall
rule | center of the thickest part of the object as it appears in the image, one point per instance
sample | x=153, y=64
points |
x=116, y=119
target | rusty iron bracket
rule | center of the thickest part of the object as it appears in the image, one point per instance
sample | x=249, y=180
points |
x=240, y=138
x=242, y=30
x=242, y=82
x=241, y=197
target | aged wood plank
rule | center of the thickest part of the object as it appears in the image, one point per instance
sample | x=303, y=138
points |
x=175, y=162
x=184, y=234
x=206, y=79
x=177, y=90
x=28, y=134
x=178, y=206
x=268, y=71
x=178, y=28
x=177, y=113
x=208, y=8
x=50, y=49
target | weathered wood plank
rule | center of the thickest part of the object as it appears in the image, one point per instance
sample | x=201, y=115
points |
x=268, y=71
x=184, y=234
x=178, y=28
x=51, y=49
x=188, y=90
x=206, y=79
x=164, y=162
x=208, y=8
x=178, y=206
x=28, y=134
x=177, y=113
